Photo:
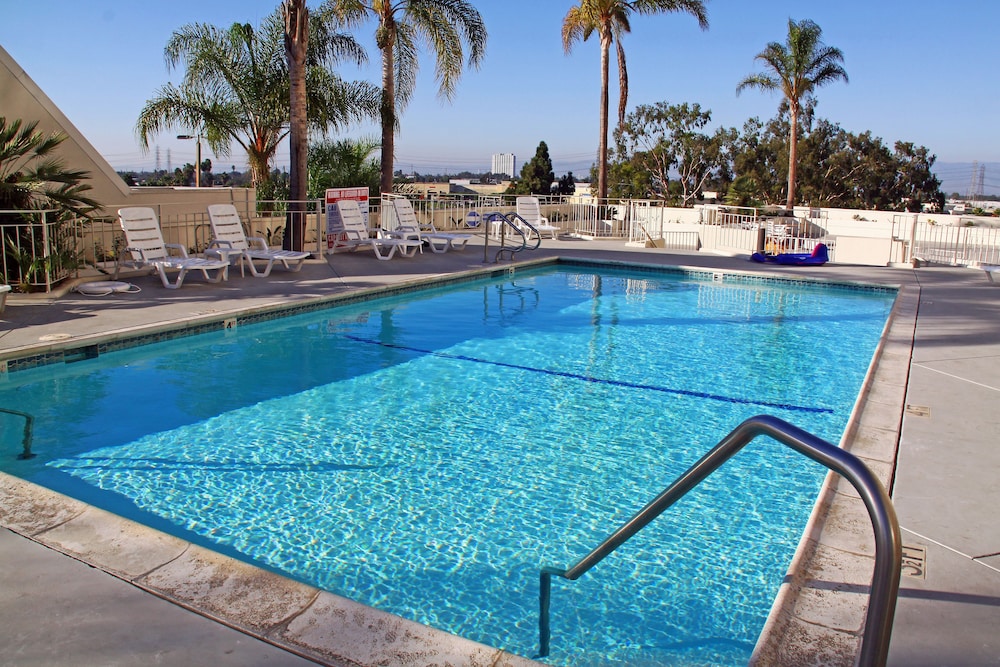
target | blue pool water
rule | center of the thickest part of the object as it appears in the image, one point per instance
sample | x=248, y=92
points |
x=428, y=453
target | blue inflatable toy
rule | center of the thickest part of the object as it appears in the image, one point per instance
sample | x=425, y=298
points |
x=819, y=255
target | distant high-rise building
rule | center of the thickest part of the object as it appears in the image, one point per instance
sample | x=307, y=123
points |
x=504, y=163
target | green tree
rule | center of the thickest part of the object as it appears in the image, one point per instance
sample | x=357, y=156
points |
x=536, y=174
x=759, y=158
x=343, y=164
x=236, y=88
x=917, y=183
x=567, y=185
x=447, y=27
x=662, y=138
x=32, y=176
x=796, y=68
x=628, y=179
x=610, y=20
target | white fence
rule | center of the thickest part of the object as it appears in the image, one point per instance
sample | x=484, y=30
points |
x=962, y=244
x=39, y=253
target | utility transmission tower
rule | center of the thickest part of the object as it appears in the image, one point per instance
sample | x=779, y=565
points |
x=971, y=194
x=157, y=168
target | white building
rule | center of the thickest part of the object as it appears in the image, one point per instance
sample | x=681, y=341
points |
x=504, y=163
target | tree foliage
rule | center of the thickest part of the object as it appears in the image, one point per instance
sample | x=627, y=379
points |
x=796, y=69
x=344, y=163
x=447, y=27
x=536, y=174
x=609, y=19
x=664, y=152
x=664, y=139
x=32, y=176
x=236, y=89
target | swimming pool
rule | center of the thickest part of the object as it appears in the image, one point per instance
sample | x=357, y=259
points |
x=429, y=453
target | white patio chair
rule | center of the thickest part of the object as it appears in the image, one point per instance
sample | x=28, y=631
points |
x=529, y=209
x=145, y=244
x=229, y=240
x=354, y=234
x=408, y=226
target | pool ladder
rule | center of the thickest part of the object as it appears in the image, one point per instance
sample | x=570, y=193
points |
x=517, y=225
x=888, y=544
x=29, y=422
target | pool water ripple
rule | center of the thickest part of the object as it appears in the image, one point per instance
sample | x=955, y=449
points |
x=408, y=454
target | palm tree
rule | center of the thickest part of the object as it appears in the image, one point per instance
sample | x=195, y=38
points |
x=446, y=26
x=296, y=37
x=32, y=177
x=236, y=88
x=610, y=20
x=796, y=68
x=342, y=164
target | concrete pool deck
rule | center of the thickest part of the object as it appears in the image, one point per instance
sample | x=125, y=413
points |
x=79, y=586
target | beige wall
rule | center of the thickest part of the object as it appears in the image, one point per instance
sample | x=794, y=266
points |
x=23, y=99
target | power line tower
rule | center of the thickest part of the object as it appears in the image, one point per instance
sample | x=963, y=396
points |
x=169, y=168
x=971, y=194
x=979, y=185
x=157, y=168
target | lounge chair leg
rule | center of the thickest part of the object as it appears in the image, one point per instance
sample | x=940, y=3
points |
x=222, y=274
x=378, y=251
x=261, y=274
x=166, y=281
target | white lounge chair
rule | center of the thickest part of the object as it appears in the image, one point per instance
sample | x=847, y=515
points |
x=529, y=209
x=145, y=243
x=408, y=226
x=229, y=240
x=354, y=234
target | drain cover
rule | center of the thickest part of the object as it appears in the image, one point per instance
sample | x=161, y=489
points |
x=56, y=336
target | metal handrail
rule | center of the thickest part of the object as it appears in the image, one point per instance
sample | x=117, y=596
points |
x=509, y=220
x=888, y=543
x=28, y=429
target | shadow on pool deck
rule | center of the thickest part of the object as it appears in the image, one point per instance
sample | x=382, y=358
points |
x=941, y=358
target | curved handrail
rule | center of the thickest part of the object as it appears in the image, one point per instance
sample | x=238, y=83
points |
x=28, y=428
x=888, y=543
x=524, y=223
x=508, y=220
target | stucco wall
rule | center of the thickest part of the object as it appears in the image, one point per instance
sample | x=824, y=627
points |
x=23, y=99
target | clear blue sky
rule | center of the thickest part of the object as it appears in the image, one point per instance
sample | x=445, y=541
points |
x=919, y=71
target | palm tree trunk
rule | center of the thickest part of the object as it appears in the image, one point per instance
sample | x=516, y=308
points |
x=602, y=146
x=296, y=44
x=793, y=146
x=388, y=113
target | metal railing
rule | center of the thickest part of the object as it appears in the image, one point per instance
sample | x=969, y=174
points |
x=960, y=242
x=888, y=543
x=519, y=228
x=38, y=249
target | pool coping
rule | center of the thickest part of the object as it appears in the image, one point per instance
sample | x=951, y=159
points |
x=808, y=612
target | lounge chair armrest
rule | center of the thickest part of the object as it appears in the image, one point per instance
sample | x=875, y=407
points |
x=216, y=243
x=257, y=241
x=142, y=253
x=178, y=247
